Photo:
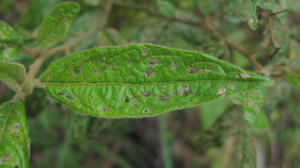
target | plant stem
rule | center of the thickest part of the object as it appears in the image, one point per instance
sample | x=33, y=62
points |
x=164, y=143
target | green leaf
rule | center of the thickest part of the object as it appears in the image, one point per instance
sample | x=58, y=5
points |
x=12, y=74
x=14, y=140
x=252, y=102
x=203, y=6
x=56, y=25
x=9, y=53
x=6, y=5
x=141, y=80
x=253, y=19
x=255, y=119
x=35, y=12
x=210, y=112
x=166, y=8
x=293, y=77
x=9, y=35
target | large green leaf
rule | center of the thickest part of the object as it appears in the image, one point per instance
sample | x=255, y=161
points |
x=9, y=35
x=142, y=80
x=57, y=24
x=12, y=74
x=14, y=140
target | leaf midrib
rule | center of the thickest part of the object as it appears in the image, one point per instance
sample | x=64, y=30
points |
x=150, y=83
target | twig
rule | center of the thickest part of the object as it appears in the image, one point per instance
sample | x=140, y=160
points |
x=103, y=21
x=204, y=26
x=228, y=150
x=272, y=55
x=164, y=142
x=279, y=12
x=110, y=162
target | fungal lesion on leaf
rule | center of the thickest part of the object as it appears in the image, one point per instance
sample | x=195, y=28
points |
x=146, y=111
x=186, y=89
x=134, y=105
x=175, y=93
x=154, y=62
x=104, y=109
x=146, y=93
x=174, y=64
x=163, y=90
x=77, y=70
x=144, y=51
x=221, y=91
x=207, y=69
x=149, y=72
x=193, y=70
x=164, y=98
x=66, y=95
x=102, y=69
x=16, y=127
x=126, y=99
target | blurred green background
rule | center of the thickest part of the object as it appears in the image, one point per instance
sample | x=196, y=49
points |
x=213, y=135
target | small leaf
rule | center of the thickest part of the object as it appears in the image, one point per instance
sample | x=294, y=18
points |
x=141, y=80
x=57, y=24
x=9, y=34
x=12, y=74
x=166, y=8
x=9, y=53
x=255, y=119
x=203, y=6
x=253, y=19
x=210, y=112
x=293, y=77
x=14, y=140
x=252, y=102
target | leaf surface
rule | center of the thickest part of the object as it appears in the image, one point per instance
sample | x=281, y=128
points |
x=9, y=35
x=14, y=140
x=12, y=74
x=56, y=24
x=142, y=80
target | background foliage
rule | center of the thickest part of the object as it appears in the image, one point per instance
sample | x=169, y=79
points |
x=258, y=35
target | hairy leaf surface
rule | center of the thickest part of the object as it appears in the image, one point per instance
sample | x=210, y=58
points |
x=12, y=74
x=14, y=140
x=142, y=80
x=57, y=24
x=9, y=35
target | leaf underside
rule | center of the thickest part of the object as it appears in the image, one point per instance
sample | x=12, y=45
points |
x=14, y=140
x=12, y=74
x=57, y=24
x=142, y=80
